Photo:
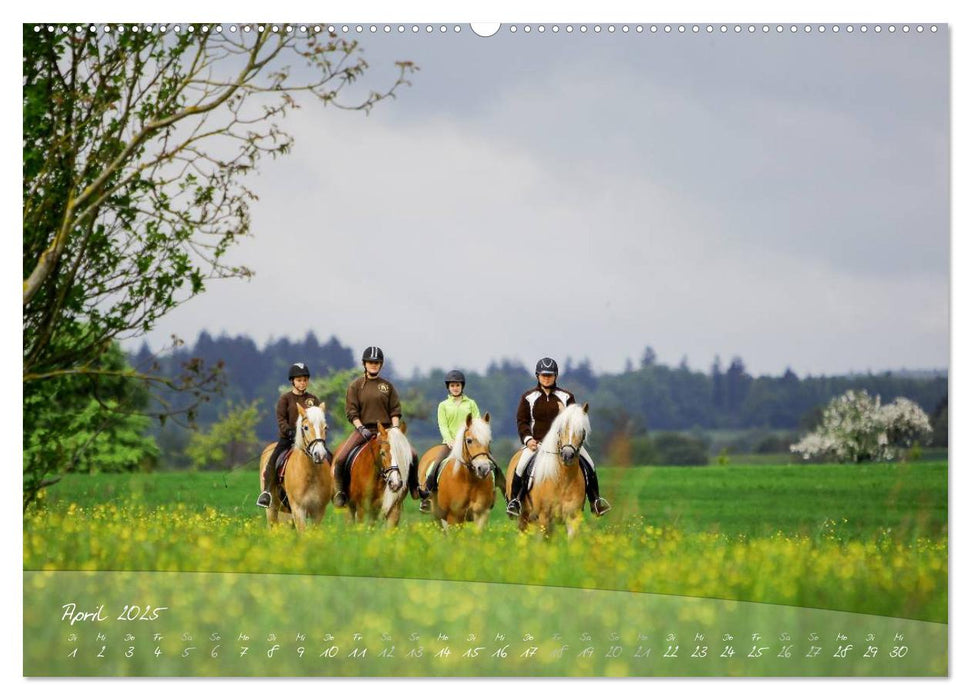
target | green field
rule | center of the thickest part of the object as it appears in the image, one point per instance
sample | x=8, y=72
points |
x=861, y=538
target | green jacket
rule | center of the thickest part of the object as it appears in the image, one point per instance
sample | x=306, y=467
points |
x=451, y=416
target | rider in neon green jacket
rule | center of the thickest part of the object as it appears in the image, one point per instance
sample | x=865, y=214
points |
x=451, y=419
x=451, y=416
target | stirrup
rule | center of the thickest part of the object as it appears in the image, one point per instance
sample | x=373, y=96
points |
x=514, y=508
x=425, y=506
x=340, y=499
x=264, y=502
x=600, y=506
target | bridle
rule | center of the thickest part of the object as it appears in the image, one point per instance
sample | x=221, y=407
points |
x=313, y=442
x=561, y=446
x=467, y=463
x=386, y=473
x=309, y=446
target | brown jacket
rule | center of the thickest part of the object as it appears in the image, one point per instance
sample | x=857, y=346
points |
x=537, y=411
x=286, y=409
x=372, y=401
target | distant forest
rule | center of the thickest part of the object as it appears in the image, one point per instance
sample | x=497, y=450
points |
x=649, y=397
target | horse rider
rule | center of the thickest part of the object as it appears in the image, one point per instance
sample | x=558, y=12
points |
x=371, y=400
x=286, y=419
x=538, y=407
x=452, y=412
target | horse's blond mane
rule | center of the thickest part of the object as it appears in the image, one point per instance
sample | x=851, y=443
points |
x=569, y=421
x=481, y=432
x=316, y=416
x=400, y=452
x=401, y=457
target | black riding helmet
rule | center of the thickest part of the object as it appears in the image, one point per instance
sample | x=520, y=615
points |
x=455, y=376
x=547, y=366
x=373, y=354
x=298, y=369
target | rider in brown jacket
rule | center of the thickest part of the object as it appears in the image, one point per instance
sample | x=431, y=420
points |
x=371, y=400
x=286, y=420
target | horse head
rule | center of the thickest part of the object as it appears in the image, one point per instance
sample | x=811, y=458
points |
x=475, y=446
x=390, y=469
x=311, y=433
x=573, y=430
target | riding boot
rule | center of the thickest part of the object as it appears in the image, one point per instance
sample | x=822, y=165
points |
x=265, y=499
x=598, y=505
x=514, y=509
x=340, y=495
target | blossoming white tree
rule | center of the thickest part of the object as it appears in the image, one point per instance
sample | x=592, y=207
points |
x=857, y=428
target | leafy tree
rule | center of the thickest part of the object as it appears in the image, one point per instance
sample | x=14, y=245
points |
x=857, y=428
x=229, y=443
x=85, y=423
x=137, y=143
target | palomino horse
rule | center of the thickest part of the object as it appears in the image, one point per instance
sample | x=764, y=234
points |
x=558, y=490
x=379, y=475
x=307, y=479
x=466, y=481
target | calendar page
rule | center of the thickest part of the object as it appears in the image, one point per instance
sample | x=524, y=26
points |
x=641, y=329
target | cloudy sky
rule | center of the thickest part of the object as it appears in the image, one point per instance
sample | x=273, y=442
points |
x=780, y=197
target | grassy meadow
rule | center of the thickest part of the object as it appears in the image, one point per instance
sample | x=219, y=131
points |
x=862, y=538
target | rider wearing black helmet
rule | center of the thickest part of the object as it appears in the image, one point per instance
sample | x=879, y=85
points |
x=371, y=399
x=286, y=418
x=451, y=419
x=538, y=407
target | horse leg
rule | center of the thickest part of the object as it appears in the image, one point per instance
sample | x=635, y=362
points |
x=394, y=515
x=546, y=524
x=480, y=519
x=299, y=517
x=572, y=523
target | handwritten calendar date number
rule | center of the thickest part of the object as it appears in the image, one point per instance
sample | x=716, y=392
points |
x=129, y=613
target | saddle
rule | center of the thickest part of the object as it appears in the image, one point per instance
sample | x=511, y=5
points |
x=281, y=464
x=345, y=467
x=435, y=469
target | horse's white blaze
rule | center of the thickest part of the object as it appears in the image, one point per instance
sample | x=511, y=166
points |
x=570, y=421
